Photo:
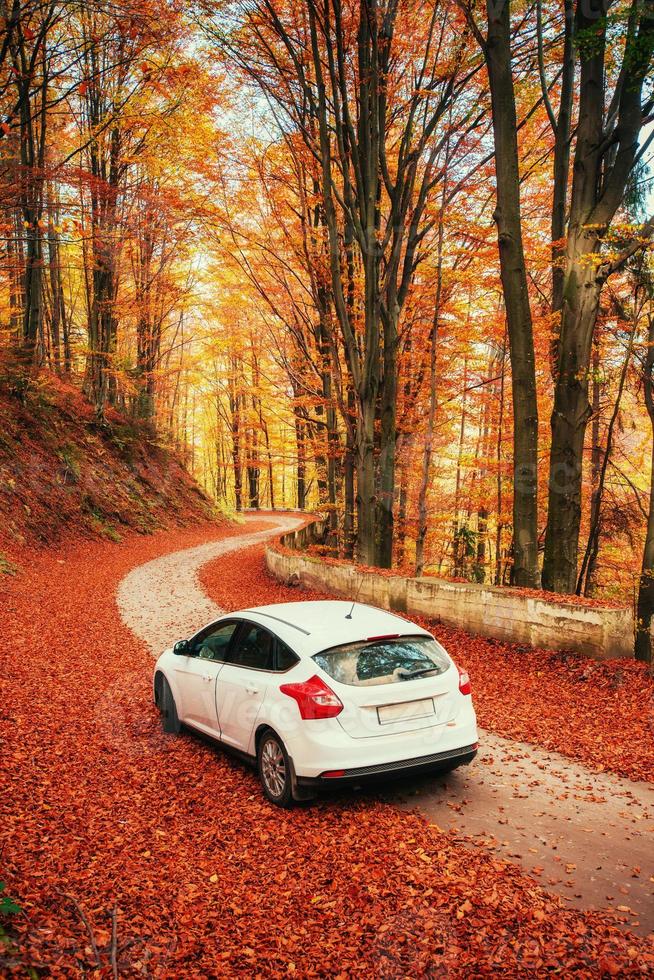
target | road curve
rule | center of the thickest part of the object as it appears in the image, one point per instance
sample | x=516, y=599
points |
x=162, y=600
x=587, y=836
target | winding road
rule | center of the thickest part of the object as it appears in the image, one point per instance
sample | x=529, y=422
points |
x=585, y=835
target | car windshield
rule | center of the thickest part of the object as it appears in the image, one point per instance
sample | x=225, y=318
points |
x=384, y=661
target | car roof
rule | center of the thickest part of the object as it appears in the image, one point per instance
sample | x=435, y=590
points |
x=311, y=626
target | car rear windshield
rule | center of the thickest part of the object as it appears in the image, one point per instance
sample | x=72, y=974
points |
x=390, y=661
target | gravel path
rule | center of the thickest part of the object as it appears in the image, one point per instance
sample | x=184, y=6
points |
x=587, y=836
x=163, y=601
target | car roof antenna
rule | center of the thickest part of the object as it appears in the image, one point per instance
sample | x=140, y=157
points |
x=354, y=602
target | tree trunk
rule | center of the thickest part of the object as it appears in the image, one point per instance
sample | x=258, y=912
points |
x=301, y=469
x=561, y=166
x=149, y=320
x=107, y=168
x=433, y=359
x=645, y=605
x=482, y=532
x=498, y=462
x=592, y=546
x=596, y=465
x=32, y=111
x=325, y=343
x=349, y=495
x=235, y=422
x=253, y=484
x=59, y=321
x=429, y=435
x=402, y=502
x=252, y=458
x=266, y=439
x=483, y=456
x=365, y=496
x=15, y=264
x=388, y=438
x=516, y=296
x=602, y=166
x=570, y=416
x=456, y=527
x=33, y=288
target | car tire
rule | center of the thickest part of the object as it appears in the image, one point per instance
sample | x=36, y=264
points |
x=169, y=717
x=274, y=770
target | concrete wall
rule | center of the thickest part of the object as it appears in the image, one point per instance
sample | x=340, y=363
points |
x=597, y=632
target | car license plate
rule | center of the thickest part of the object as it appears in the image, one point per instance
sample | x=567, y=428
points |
x=406, y=711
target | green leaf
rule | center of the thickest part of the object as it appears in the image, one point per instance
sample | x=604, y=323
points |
x=7, y=907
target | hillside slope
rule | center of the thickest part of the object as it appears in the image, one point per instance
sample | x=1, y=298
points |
x=63, y=473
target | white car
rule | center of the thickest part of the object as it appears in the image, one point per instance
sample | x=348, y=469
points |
x=320, y=693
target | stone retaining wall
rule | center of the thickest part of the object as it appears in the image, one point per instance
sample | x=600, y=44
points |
x=599, y=632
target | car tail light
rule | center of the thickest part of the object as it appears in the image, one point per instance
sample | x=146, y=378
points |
x=333, y=774
x=314, y=698
x=384, y=636
x=464, y=681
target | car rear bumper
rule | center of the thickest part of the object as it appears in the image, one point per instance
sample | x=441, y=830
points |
x=323, y=746
x=394, y=770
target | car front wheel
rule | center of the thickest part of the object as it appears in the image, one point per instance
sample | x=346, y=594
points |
x=275, y=770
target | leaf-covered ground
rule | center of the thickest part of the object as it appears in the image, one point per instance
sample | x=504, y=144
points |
x=102, y=812
x=601, y=714
x=63, y=475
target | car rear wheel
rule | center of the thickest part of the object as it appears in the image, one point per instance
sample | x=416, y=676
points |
x=275, y=770
x=169, y=717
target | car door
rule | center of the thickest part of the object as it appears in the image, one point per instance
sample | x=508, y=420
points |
x=242, y=684
x=197, y=675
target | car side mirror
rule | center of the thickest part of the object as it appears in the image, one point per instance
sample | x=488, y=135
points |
x=182, y=648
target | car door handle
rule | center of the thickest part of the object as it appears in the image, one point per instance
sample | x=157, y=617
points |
x=252, y=690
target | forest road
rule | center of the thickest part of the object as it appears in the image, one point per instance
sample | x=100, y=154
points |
x=587, y=836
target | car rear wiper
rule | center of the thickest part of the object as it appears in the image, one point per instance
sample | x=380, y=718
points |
x=409, y=675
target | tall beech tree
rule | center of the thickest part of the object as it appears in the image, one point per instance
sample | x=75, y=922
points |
x=497, y=50
x=27, y=43
x=606, y=151
x=645, y=603
x=589, y=560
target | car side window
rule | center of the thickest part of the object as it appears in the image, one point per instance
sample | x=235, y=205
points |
x=254, y=648
x=284, y=657
x=214, y=642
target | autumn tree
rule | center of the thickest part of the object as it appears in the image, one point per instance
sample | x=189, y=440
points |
x=497, y=50
x=645, y=602
x=30, y=48
x=337, y=75
x=615, y=100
